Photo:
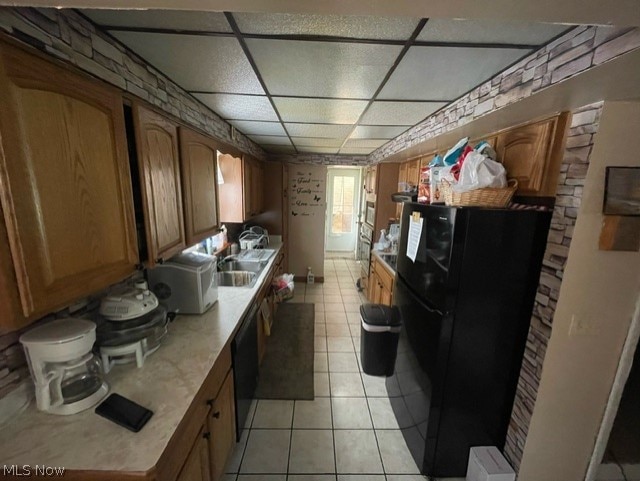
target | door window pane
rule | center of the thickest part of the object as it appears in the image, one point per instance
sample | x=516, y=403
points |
x=342, y=206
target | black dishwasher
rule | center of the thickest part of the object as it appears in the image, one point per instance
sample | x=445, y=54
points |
x=244, y=351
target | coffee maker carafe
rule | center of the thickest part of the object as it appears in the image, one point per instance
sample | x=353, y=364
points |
x=68, y=376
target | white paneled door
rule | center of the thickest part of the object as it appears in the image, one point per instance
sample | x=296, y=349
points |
x=343, y=196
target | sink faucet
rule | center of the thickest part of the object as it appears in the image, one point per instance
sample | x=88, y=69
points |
x=229, y=258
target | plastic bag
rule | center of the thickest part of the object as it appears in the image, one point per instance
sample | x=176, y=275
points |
x=478, y=172
x=451, y=157
x=283, y=286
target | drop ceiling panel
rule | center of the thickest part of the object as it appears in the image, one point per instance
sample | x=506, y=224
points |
x=387, y=28
x=251, y=127
x=302, y=142
x=239, y=107
x=489, y=31
x=318, y=150
x=365, y=143
x=321, y=69
x=445, y=73
x=356, y=150
x=270, y=140
x=399, y=113
x=212, y=64
x=170, y=19
x=319, y=110
x=319, y=130
x=376, y=132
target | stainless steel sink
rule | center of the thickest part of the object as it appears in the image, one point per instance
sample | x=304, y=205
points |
x=236, y=278
x=242, y=266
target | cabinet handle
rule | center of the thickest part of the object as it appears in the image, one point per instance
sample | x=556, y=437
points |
x=209, y=402
x=216, y=414
x=206, y=435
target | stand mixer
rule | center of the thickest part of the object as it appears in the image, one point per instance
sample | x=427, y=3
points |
x=68, y=376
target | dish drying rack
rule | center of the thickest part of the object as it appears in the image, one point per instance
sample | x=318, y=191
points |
x=254, y=238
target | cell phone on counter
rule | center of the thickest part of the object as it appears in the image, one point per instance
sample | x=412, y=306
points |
x=124, y=412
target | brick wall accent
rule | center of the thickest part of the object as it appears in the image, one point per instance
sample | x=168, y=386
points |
x=574, y=52
x=69, y=36
x=322, y=159
x=584, y=125
x=13, y=365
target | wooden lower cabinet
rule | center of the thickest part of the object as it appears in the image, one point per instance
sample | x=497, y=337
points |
x=222, y=426
x=196, y=467
x=267, y=293
x=380, y=288
x=205, y=439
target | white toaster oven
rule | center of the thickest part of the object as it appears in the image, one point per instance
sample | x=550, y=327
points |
x=186, y=283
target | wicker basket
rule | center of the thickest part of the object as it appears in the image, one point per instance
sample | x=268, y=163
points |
x=486, y=197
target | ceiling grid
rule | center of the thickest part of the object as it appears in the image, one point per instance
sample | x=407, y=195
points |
x=334, y=84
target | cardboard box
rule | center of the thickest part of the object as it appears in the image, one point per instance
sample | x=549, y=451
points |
x=486, y=463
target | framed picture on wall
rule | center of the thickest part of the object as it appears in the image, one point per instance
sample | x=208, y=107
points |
x=622, y=191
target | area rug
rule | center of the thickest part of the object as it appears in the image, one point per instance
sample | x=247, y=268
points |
x=287, y=369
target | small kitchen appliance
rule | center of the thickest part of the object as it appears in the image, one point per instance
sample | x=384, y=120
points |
x=131, y=325
x=186, y=283
x=67, y=375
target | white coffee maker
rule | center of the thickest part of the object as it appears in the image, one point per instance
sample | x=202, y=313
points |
x=68, y=376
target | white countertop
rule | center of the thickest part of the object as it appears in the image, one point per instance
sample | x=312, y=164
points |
x=380, y=256
x=166, y=384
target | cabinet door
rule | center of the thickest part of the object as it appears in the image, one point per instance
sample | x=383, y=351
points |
x=413, y=172
x=524, y=152
x=248, y=187
x=230, y=192
x=157, y=146
x=385, y=296
x=197, y=466
x=402, y=175
x=258, y=187
x=66, y=187
x=199, y=185
x=222, y=425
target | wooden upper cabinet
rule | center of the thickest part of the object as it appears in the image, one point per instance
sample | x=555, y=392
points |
x=230, y=192
x=248, y=188
x=158, y=161
x=403, y=175
x=66, y=186
x=199, y=185
x=257, y=187
x=532, y=154
x=242, y=193
x=413, y=172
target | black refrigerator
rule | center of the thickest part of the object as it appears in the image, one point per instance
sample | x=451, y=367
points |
x=465, y=285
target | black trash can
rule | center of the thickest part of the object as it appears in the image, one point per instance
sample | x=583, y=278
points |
x=380, y=326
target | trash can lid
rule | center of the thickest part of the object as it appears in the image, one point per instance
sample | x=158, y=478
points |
x=380, y=315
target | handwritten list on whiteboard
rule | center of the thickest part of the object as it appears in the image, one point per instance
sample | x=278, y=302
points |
x=307, y=198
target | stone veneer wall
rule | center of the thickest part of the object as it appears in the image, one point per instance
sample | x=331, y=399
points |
x=322, y=159
x=69, y=36
x=573, y=171
x=574, y=52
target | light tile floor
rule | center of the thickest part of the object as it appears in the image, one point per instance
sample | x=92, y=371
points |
x=348, y=432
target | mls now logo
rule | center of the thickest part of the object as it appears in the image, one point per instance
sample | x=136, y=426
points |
x=28, y=470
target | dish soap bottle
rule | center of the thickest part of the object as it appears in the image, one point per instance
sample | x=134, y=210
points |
x=310, y=277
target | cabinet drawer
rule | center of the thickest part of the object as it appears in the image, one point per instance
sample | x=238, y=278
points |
x=217, y=374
